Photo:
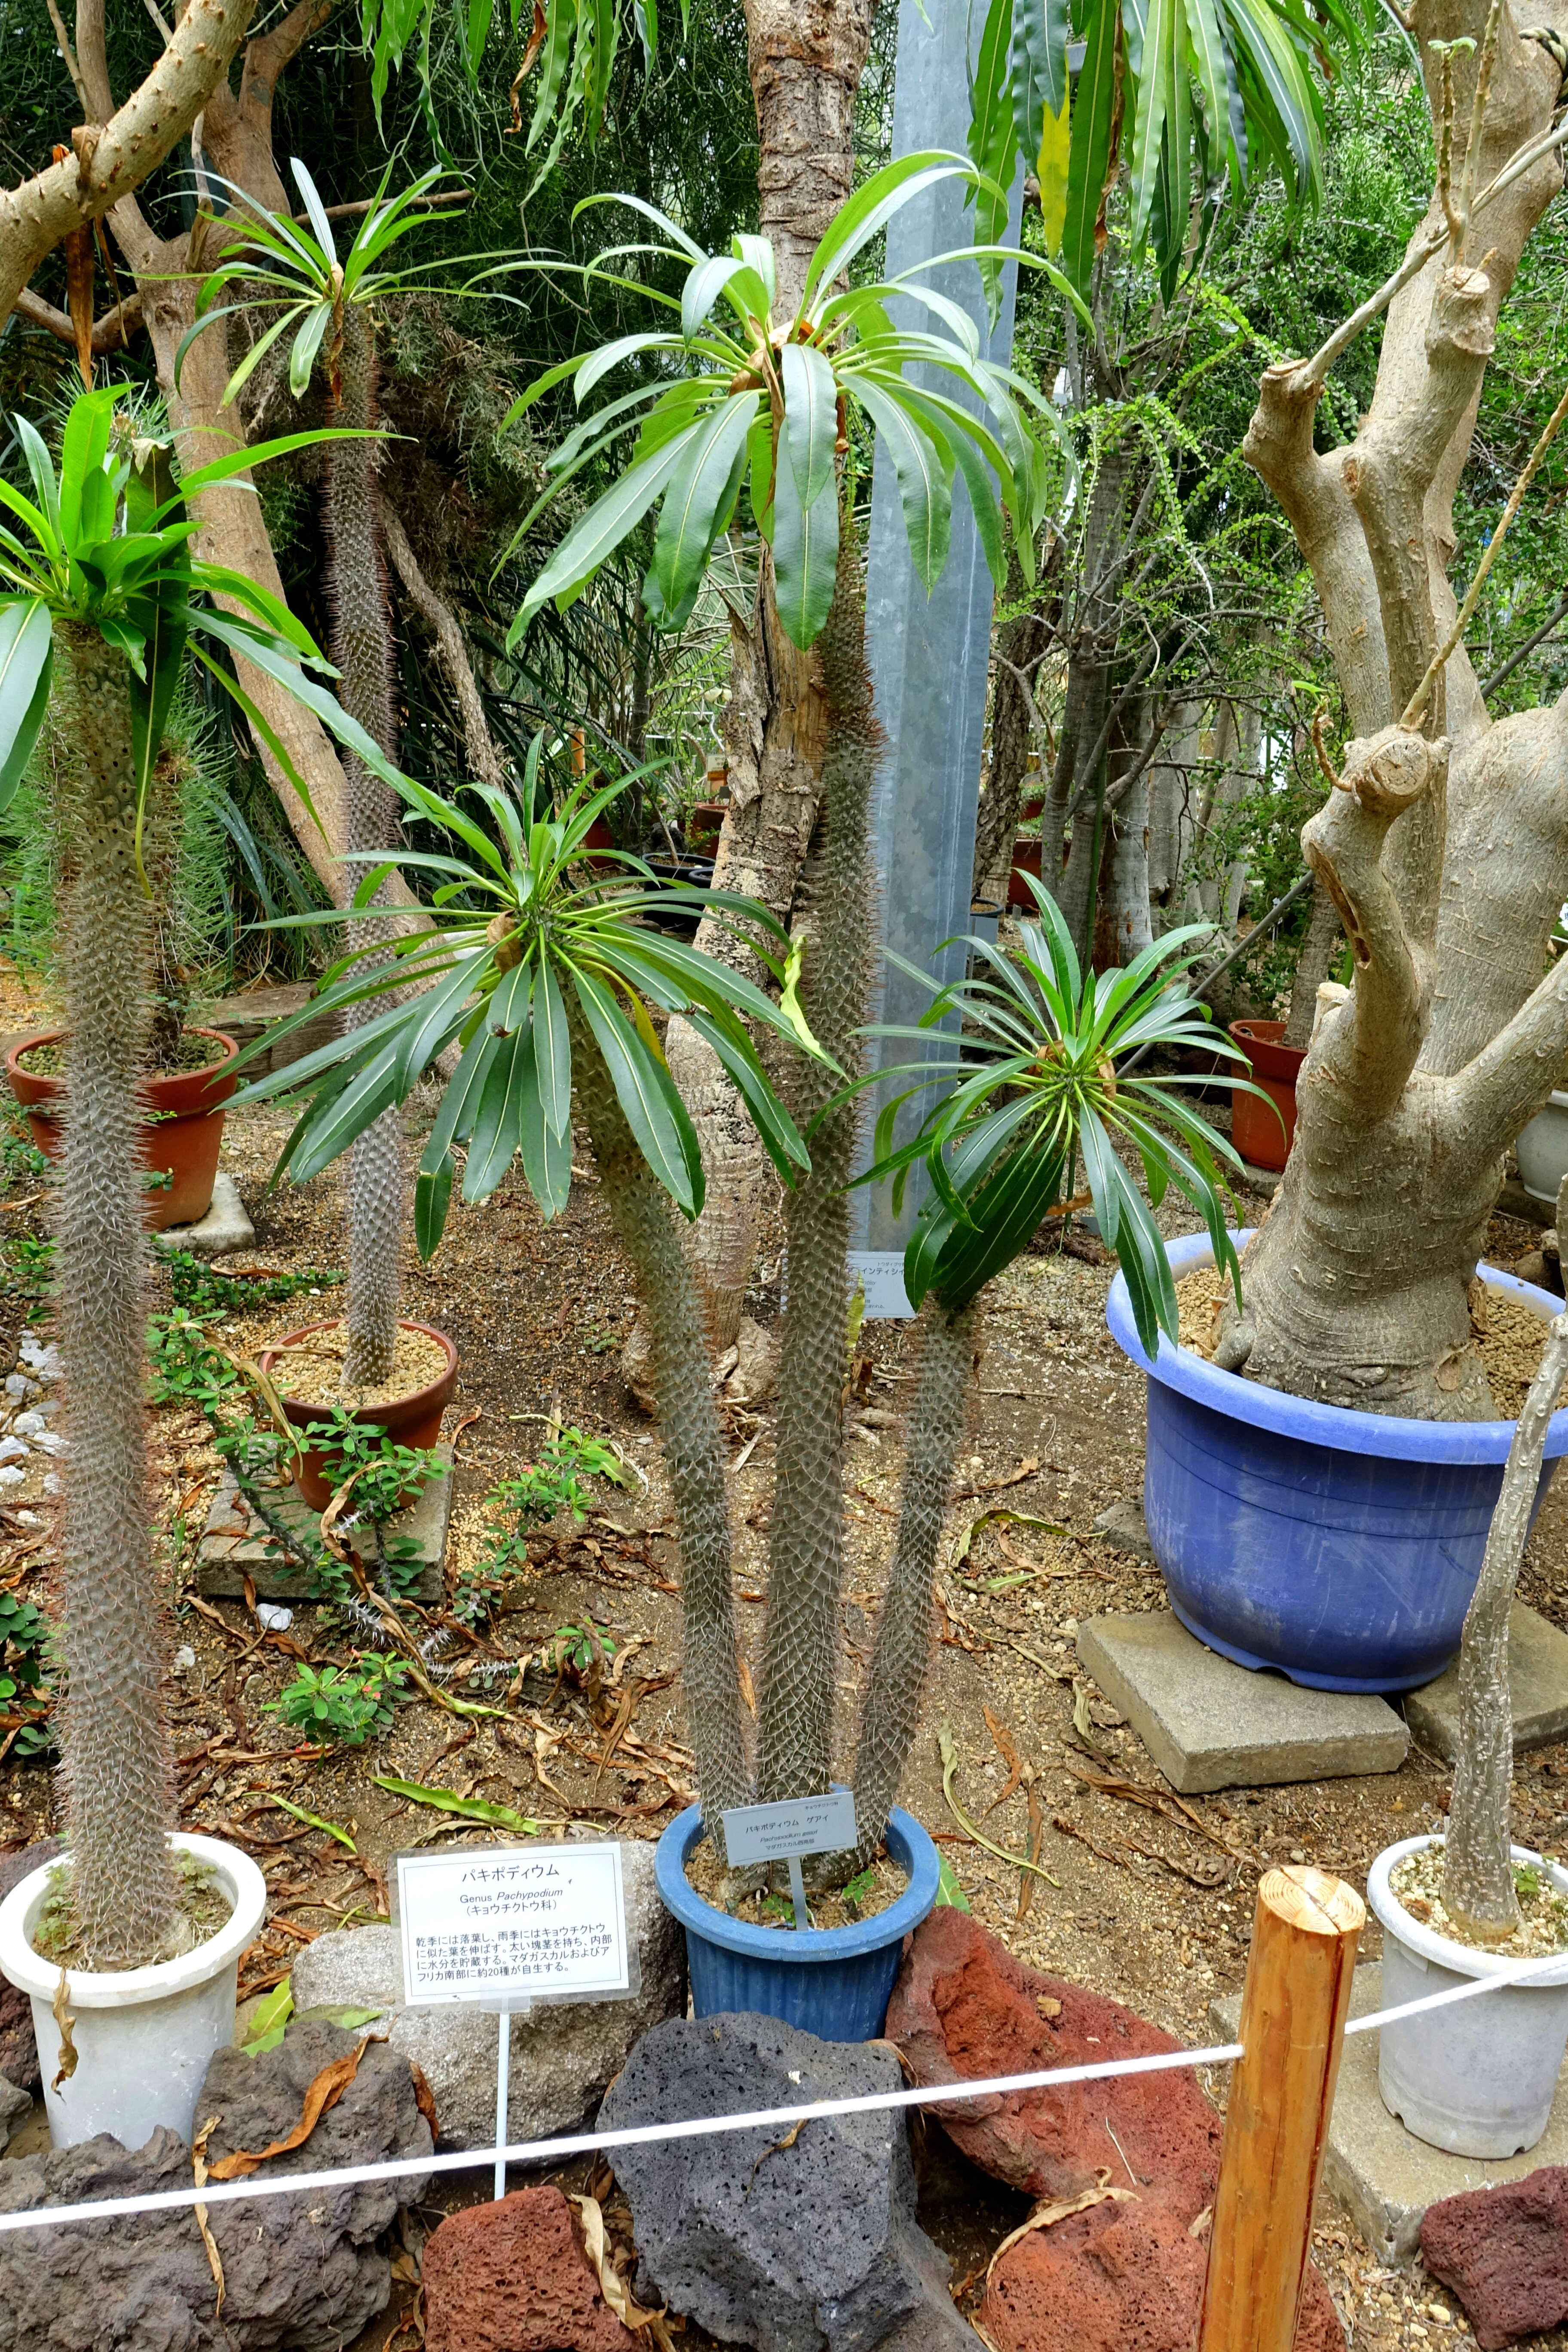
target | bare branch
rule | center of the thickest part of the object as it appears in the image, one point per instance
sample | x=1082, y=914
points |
x=484, y=757
x=114, y=157
x=111, y=331
x=63, y=38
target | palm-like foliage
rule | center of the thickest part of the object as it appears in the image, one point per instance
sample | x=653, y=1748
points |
x=1033, y=1088
x=103, y=600
x=1186, y=92
x=751, y=401
x=530, y=950
x=106, y=544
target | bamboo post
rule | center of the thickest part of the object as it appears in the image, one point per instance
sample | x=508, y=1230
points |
x=1293, y=2009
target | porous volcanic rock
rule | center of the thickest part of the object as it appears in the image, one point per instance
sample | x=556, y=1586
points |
x=563, y=2056
x=1504, y=2252
x=512, y=2277
x=787, y=2247
x=1119, y=2278
x=964, y=2009
x=307, y=2280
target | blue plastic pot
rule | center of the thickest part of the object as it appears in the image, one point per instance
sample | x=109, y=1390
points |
x=1339, y=1548
x=834, y=1982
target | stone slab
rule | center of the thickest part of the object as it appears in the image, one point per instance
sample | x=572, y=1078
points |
x=1124, y=1528
x=234, y=1545
x=1538, y=1671
x=1382, y=2175
x=1209, y=1724
x=225, y=1227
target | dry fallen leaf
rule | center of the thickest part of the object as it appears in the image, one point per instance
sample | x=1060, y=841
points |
x=1045, y=2217
x=65, y=2020
x=748, y=1689
x=324, y=2092
x=612, y=2285
x=424, y=2098
x=199, y=2168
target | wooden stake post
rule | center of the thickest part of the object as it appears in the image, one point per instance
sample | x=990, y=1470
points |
x=1292, y=2025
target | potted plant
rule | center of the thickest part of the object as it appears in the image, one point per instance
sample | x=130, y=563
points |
x=182, y=1122
x=1346, y=1432
x=1263, y=1117
x=130, y=1948
x=1480, y=2077
x=397, y=1372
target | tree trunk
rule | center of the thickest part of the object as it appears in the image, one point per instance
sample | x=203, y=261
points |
x=1318, y=949
x=1478, y=1891
x=362, y=650
x=118, y=1771
x=806, y=1535
x=694, y=1447
x=1020, y=646
x=1128, y=925
x=1357, y=1289
x=805, y=59
x=904, y=1631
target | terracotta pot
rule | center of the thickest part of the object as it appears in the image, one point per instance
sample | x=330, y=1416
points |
x=704, y=824
x=181, y=1141
x=1256, y=1134
x=412, y=1419
x=1031, y=807
x=1026, y=860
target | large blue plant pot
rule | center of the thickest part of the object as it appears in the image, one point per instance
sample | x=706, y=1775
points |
x=1341, y=1548
x=834, y=1982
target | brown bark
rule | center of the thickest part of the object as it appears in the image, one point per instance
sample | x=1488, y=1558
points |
x=806, y=58
x=114, y=154
x=1443, y=853
x=1020, y=644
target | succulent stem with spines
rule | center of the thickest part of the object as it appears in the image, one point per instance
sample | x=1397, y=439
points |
x=903, y=1646
x=807, y=1536
x=118, y=1775
x=694, y=1449
x=362, y=650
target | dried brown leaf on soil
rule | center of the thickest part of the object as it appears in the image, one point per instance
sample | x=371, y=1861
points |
x=199, y=2169
x=1017, y=1768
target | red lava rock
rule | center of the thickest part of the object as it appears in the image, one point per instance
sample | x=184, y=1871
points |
x=1504, y=2252
x=512, y=2277
x=964, y=2007
x=1119, y=2278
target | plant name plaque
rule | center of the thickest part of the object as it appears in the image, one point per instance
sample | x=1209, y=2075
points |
x=784, y=1832
x=504, y=1926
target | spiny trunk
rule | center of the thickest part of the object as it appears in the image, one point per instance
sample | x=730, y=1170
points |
x=694, y=1449
x=806, y=58
x=1128, y=924
x=903, y=1650
x=117, y=1775
x=774, y=728
x=361, y=649
x=1077, y=779
x=806, y=1538
x=1478, y=1891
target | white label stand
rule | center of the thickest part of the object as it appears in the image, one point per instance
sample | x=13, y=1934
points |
x=797, y=1893
x=503, y=2084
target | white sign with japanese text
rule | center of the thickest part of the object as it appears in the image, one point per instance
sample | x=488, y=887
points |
x=500, y=1923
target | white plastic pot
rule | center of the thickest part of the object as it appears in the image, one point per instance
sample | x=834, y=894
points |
x=1542, y=1150
x=143, y=2037
x=1478, y=2077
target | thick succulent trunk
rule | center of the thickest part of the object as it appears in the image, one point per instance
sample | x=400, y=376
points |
x=117, y=1776
x=694, y=1449
x=1479, y=1891
x=904, y=1631
x=1078, y=776
x=361, y=649
x=1318, y=949
x=1444, y=854
x=806, y=58
x=807, y=1536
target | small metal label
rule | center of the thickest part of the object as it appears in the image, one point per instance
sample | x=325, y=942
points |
x=798, y=1825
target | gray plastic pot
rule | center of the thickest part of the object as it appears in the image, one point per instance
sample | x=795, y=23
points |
x=143, y=2037
x=1479, y=2077
x=1543, y=1150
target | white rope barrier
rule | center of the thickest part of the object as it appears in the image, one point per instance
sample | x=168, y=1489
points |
x=555, y=2151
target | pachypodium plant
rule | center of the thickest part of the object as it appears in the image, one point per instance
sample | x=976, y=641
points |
x=769, y=404
x=326, y=306
x=1035, y=1095
x=541, y=970
x=101, y=600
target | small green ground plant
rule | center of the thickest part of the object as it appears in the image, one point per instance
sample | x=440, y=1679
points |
x=348, y=1705
x=535, y=1495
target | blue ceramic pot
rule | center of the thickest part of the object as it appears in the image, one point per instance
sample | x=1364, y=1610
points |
x=1339, y=1547
x=834, y=1982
